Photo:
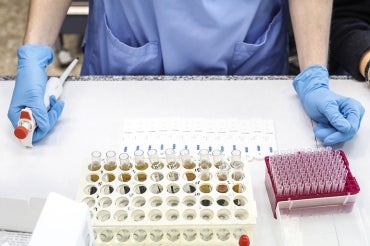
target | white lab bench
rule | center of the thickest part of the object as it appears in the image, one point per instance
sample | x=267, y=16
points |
x=96, y=106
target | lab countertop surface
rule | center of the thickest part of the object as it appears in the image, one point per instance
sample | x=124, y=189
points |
x=96, y=106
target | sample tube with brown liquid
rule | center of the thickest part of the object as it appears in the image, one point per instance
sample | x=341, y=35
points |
x=140, y=163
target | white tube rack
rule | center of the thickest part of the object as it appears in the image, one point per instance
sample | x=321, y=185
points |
x=167, y=206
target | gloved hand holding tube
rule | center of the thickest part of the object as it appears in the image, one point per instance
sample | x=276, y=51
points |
x=30, y=91
x=338, y=118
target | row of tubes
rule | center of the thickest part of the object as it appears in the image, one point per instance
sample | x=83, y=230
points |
x=172, y=162
x=308, y=172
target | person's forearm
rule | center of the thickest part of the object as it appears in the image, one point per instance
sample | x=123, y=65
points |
x=45, y=20
x=365, y=59
x=311, y=26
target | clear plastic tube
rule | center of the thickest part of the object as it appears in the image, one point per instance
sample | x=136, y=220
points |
x=204, y=158
x=205, y=174
x=279, y=190
x=124, y=162
x=95, y=161
x=342, y=184
x=237, y=166
x=335, y=185
x=186, y=159
x=110, y=160
x=293, y=189
x=314, y=186
x=300, y=187
x=171, y=159
x=223, y=172
x=321, y=186
x=307, y=188
x=217, y=158
x=236, y=157
x=140, y=160
x=154, y=159
x=286, y=190
x=328, y=185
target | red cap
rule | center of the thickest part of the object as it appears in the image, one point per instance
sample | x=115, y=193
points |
x=20, y=132
x=244, y=240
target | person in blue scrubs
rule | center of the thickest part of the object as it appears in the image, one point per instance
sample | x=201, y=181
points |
x=192, y=37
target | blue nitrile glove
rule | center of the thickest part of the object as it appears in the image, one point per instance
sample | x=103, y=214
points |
x=338, y=118
x=29, y=89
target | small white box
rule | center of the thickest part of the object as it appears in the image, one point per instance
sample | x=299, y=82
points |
x=63, y=222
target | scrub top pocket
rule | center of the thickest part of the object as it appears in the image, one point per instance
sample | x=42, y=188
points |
x=268, y=55
x=112, y=56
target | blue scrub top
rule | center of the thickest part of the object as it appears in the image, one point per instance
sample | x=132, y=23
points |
x=186, y=37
